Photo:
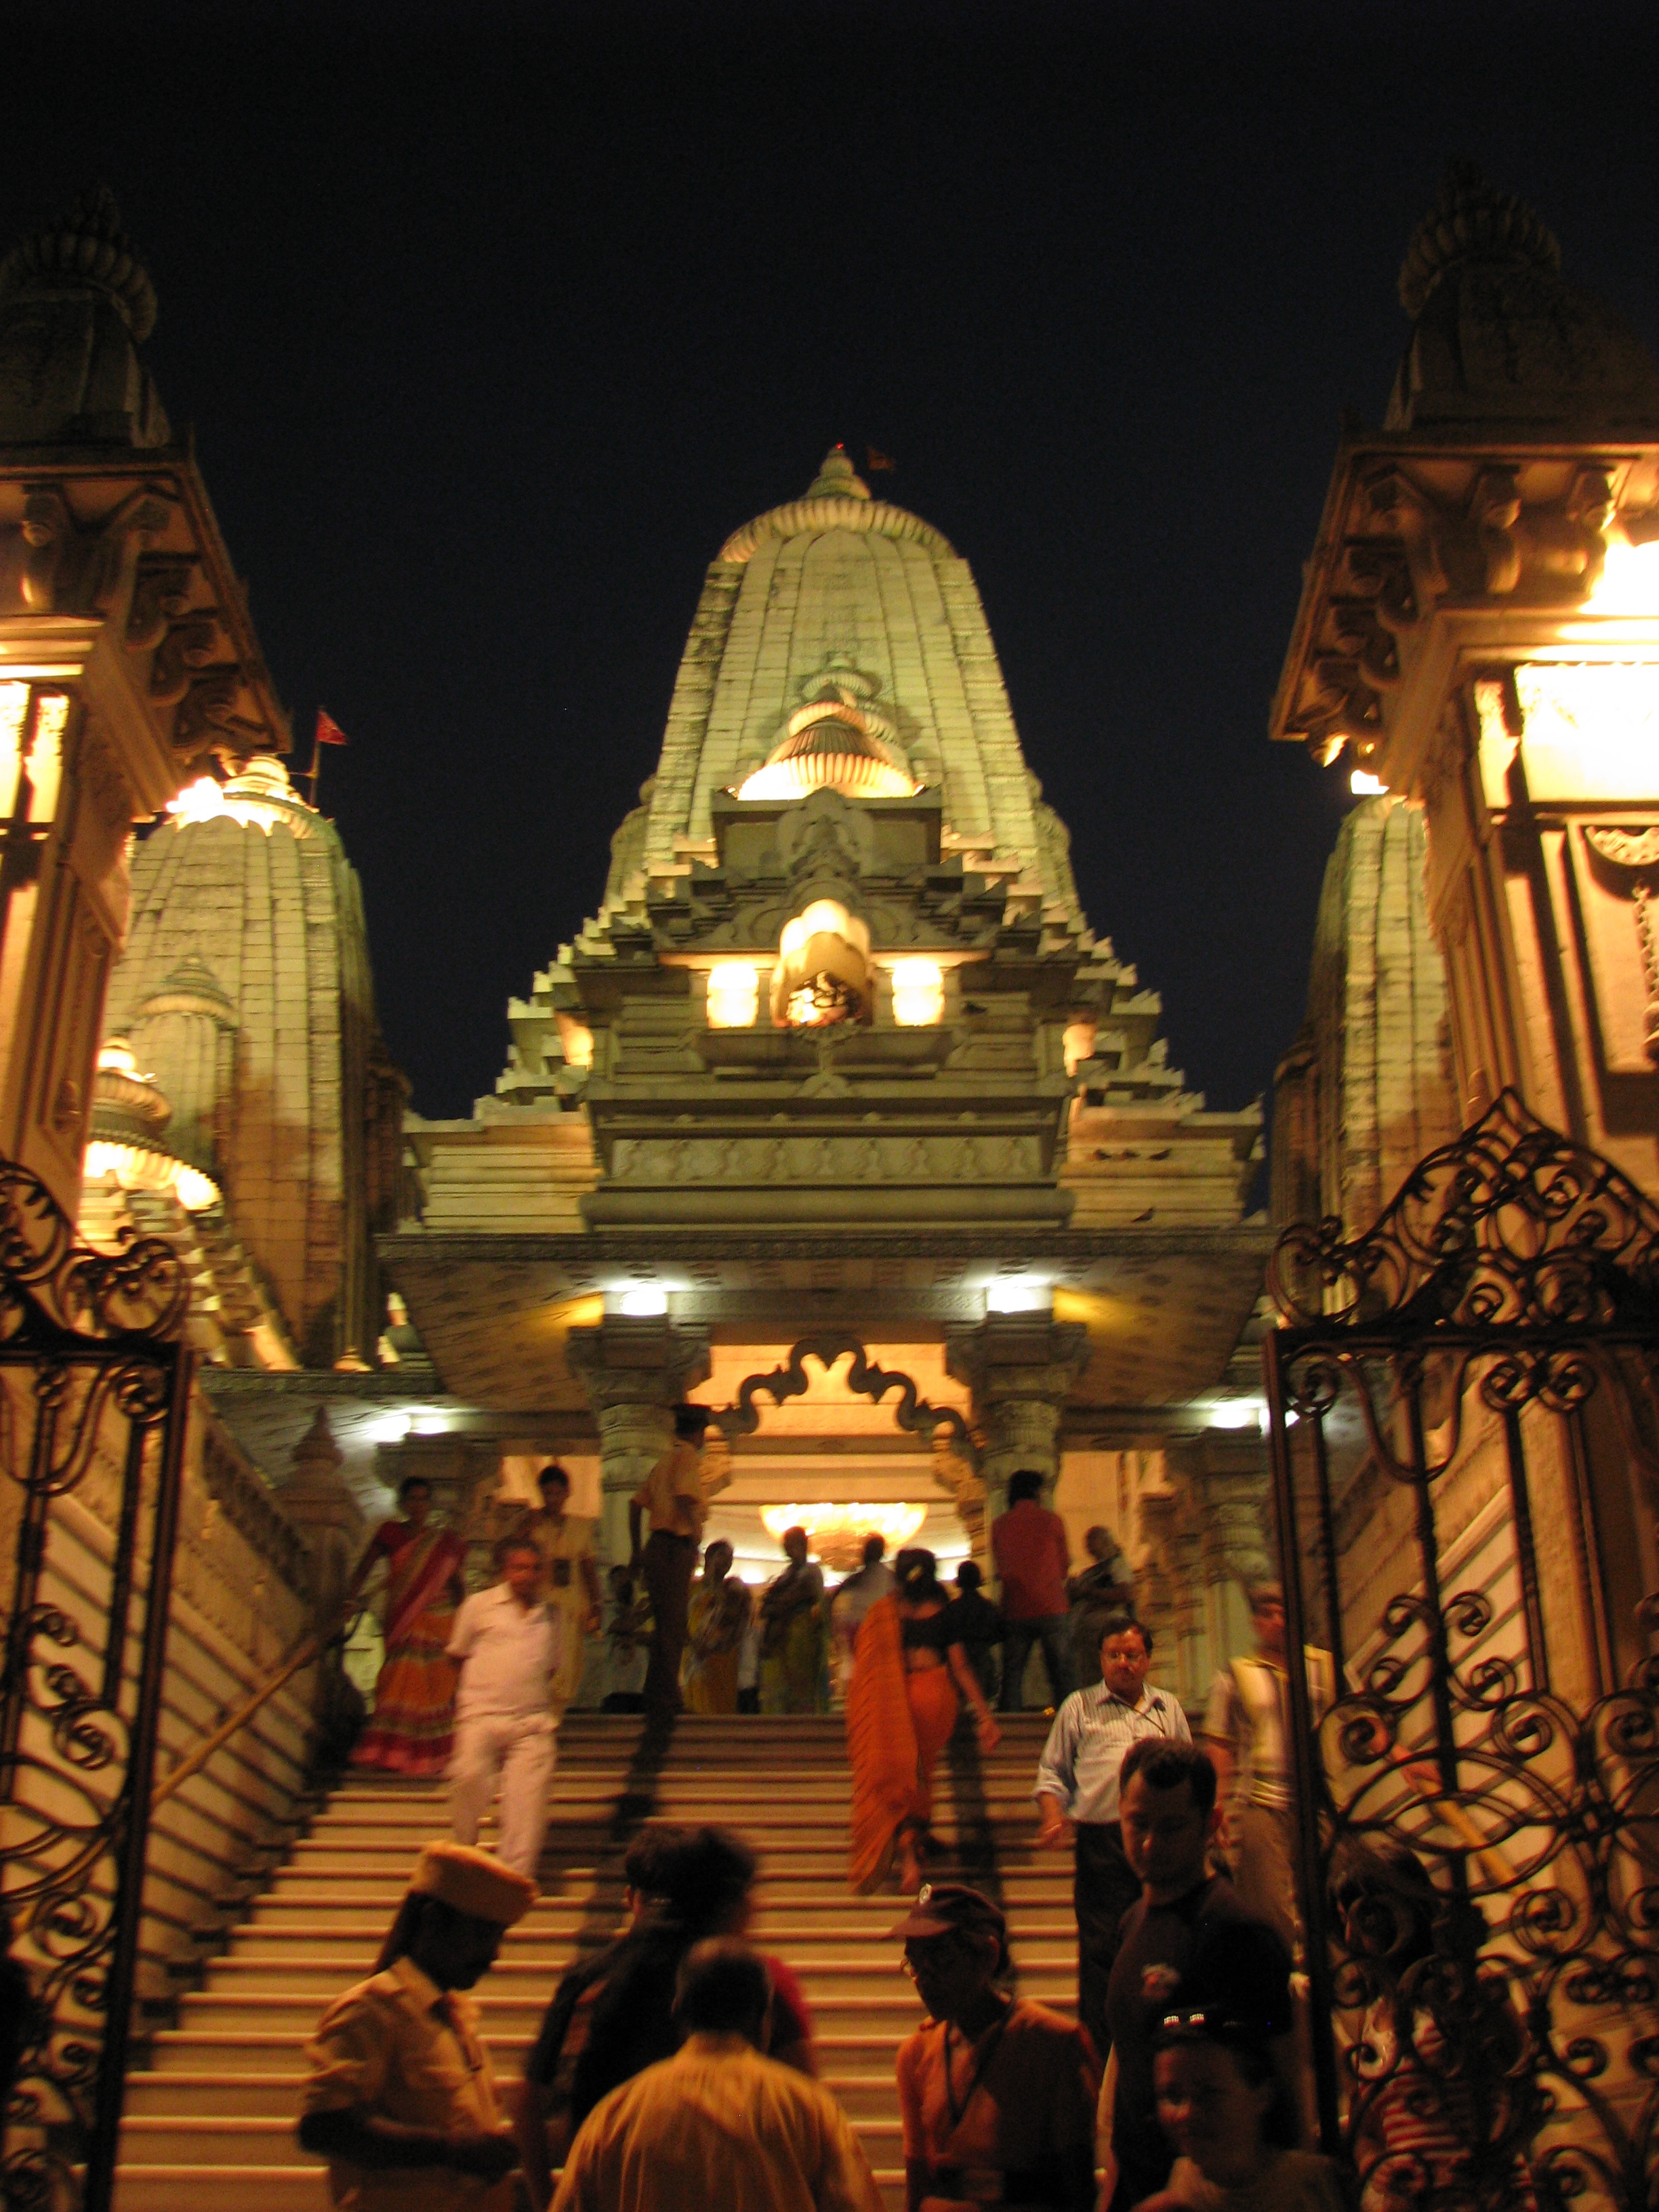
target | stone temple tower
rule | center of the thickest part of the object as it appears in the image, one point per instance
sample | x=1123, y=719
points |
x=839, y=1062
x=245, y=996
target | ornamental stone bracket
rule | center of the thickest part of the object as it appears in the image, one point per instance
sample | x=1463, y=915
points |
x=1021, y=1368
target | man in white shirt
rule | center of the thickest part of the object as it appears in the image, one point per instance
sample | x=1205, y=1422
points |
x=509, y=1643
x=1078, y=1792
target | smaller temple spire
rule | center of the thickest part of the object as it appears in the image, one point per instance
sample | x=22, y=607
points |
x=76, y=305
x=1472, y=220
x=84, y=249
x=837, y=478
x=1500, y=340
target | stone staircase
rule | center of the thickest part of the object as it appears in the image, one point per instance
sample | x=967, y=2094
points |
x=210, y=2108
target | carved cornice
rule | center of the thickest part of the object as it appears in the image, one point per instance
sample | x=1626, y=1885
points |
x=1413, y=526
x=116, y=560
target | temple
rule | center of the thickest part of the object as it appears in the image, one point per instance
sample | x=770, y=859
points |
x=839, y=1064
x=838, y=1117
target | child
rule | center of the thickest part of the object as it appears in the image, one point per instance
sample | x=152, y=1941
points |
x=1221, y=2107
x=629, y=1635
x=974, y=1622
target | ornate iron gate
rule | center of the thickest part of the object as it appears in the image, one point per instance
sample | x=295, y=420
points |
x=94, y=1384
x=1465, y=1435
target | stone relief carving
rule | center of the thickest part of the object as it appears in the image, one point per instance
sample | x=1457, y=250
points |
x=161, y=593
x=67, y=569
x=826, y=1159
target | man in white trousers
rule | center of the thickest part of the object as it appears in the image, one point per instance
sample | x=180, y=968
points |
x=509, y=1642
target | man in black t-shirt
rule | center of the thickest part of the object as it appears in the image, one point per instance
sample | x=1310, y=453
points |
x=1190, y=1945
x=973, y=1621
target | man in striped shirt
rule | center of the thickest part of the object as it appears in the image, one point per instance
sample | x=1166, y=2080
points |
x=1078, y=1789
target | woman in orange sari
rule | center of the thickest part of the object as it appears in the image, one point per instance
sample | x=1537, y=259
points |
x=415, y=1695
x=902, y=1702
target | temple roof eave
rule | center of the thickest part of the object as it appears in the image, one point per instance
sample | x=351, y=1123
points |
x=1163, y=1308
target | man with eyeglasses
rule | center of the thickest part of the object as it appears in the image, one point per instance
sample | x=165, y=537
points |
x=997, y=2093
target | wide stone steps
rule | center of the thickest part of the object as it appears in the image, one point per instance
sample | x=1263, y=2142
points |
x=210, y=2114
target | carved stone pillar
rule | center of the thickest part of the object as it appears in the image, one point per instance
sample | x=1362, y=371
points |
x=1021, y=1368
x=634, y=1373
x=1230, y=1482
x=316, y=1499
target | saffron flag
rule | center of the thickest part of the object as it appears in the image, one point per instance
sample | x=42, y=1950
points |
x=877, y=462
x=329, y=731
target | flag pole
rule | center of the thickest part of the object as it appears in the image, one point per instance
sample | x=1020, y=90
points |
x=316, y=763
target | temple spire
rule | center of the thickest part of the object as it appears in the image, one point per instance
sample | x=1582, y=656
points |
x=837, y=478
x=75, y=304
x=1501, y=341
x=84, y=248
x=1472, y=220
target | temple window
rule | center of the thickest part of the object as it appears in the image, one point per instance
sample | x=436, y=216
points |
x=918, y=993
x=823, y=973
x=733, y=994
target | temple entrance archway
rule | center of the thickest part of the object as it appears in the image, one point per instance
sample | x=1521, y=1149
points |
x=827, y=1425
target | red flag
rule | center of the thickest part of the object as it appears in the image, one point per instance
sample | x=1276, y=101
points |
x=329, y=731
x=877, y=463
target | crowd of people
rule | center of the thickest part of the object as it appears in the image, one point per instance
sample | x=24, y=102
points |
x=677, y=2066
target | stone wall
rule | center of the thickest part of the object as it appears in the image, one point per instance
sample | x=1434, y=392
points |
x=241, y=1599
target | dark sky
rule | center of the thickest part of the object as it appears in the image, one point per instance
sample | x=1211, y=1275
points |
x=493, y=321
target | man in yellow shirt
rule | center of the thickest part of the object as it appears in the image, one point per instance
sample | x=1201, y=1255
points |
x=400, y=2099
x=672, y=1495
x=718, y=2128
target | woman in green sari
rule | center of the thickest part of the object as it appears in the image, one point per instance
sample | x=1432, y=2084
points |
x=794, y=1636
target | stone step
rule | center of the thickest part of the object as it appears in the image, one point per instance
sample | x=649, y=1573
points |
x=375, y=1851
x=242, y=2053
x=186, y=2141
x=275, y=2095
x=166, y=2188
x=758, y=1808
x=853, y=2010
x=539, y=1935
x=830, y=1970
x=804, y=1904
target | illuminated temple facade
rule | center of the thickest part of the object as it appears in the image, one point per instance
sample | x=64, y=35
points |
x=839, y=1065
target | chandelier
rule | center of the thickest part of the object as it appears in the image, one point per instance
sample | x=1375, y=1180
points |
x=835, y=1528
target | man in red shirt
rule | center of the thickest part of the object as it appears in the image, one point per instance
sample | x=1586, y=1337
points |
x=1028, y=1547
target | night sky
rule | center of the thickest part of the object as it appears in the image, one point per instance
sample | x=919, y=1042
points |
x=491, y=323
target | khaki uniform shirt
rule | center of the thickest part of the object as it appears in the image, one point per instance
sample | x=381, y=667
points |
x=672, y=1492
x=717, y=2128
x=397, y=2046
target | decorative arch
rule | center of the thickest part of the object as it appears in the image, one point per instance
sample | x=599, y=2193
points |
x=914, y=1414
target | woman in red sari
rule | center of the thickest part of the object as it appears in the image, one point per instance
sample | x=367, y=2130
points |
x=415, y=1695
x=902, y=1702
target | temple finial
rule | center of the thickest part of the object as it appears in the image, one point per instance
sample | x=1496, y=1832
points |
x=1472, y=220
x=85, y=246
x=837, y=478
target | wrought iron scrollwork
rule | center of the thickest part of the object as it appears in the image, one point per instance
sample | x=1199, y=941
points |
x=92, y=1373
x=1510, y=1225
x=1478, y=1821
